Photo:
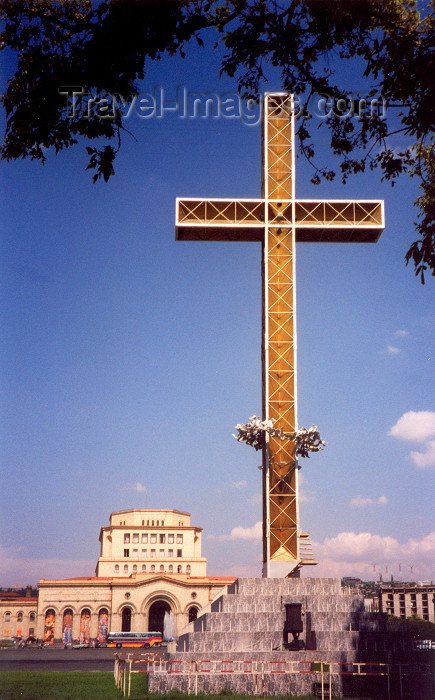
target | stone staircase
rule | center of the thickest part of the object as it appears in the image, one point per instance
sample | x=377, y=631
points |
x=250, y=617
x=245, y=624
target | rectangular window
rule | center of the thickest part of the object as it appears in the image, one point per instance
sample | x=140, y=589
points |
x=153, y=554
x=136, y=538
x=170, y=539
x=179, y=553
x=144, y=539
x=153, y=538
x=161, y=553
x=144, y=552
x=170, y=553
x=135, y=553
x=126, y=539
x=179, y=539
x=126, y=552
x=162, y=539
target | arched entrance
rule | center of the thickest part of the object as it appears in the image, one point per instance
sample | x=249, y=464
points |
x=126, y=620
x=157, y=614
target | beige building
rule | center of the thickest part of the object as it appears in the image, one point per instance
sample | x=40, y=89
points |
x=405, y=601
x=150, y=564
x=18, y=614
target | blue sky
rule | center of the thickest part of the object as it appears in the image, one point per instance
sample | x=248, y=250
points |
x=127, y=358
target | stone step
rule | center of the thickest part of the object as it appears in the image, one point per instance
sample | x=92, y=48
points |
x=240, y=622
x=274, y=622
x=279, y=586
x=274, y=603
x=203, y=642
x=344, y=621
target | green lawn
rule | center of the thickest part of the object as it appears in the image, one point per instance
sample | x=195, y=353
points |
x=77, y=685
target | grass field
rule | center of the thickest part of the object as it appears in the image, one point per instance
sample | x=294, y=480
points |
x=77, y=685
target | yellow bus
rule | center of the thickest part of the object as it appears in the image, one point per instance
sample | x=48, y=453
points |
x=144, y=640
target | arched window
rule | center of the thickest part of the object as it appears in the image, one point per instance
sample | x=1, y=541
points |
x=193, y=613
x=135, y=568
x=125, y=568
x=116, y=568
x=153, y=568
x=32, y=617
x=179, y=569
x=188, y=569
x=171, y=569
x=126, y=620
x=19, y=617
x=144, y=568
x=162, y=568
x=7, y=616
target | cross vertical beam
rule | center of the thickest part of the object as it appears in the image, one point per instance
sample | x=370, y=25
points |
x=280, y=502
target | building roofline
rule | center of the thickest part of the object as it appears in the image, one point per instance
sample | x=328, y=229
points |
x=150, y=510
x=139, y=579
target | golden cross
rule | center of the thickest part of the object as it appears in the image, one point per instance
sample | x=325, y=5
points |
x=278, y=220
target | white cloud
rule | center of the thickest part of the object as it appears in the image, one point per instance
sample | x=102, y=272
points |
x=256, y=498
x=306, y=496
x=393, y=350
x=354, y=554
x=239, y=484
x=241, y=533
x=361, y=501
x=417, y=426
x=401, y=333
x=140, y=488
x=424, y=459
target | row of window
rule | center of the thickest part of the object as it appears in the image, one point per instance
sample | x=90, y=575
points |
x=134, y=538
x=20, y=616
x=153, y=569
x=153, y=553
x=159, y=523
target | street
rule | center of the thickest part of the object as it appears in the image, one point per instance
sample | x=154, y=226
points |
x=59, y=659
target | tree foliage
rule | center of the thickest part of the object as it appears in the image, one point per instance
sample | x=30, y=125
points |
x=103, y=48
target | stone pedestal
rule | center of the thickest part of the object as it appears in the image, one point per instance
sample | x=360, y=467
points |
x=245, y=625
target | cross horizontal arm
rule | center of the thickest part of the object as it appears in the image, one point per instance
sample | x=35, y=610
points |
x=358, y=221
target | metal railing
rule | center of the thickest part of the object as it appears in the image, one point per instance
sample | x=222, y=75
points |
x=323, y=672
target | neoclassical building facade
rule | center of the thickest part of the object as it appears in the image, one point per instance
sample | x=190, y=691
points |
x=18, y=613
x=150, y=564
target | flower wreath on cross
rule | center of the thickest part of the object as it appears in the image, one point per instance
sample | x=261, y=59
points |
x=254, y=433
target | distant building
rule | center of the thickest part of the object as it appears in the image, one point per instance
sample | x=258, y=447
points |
x=350, y=581
x=404, y=601
x=18, y=613
x=150, y=563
